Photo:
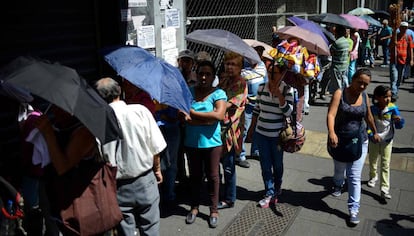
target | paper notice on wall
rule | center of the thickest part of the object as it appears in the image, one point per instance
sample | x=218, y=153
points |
x=170, y=56
x=137, y=21
x=137, y=3
x=126, y=15
x=168, y=38
x=172, y=18
x=146, y=36
x=164, y=4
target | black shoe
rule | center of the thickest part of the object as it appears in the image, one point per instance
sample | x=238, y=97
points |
x=244, y=163
x=224, y=205
x=213, y=222
x=190, y=218
x=394, y=98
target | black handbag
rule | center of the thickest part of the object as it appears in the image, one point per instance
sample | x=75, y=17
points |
x=349, y=146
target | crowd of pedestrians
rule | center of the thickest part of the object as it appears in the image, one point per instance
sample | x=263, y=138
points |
x=239, y=103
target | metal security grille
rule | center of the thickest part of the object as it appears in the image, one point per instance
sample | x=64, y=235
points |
x=253, y=220
x=246, y=18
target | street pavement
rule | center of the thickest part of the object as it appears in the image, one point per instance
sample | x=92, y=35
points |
x=307, y=185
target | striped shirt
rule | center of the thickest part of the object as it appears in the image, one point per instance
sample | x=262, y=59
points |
x=270, y=114
x=340, y=54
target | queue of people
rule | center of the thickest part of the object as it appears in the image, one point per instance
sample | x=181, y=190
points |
x=213, y=133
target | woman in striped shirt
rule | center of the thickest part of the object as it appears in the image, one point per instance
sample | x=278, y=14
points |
x=274, y=102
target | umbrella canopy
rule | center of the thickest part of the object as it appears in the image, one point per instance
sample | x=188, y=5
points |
x=63, y=87
x=224, y=40
x=312, y=41
x=14, y=92
x=359, y=11
x=381, y=14
x=371, y=21
x=311, y=26
x=330, y=18
x=162, y=81
x=254, y=43
x=355, y=21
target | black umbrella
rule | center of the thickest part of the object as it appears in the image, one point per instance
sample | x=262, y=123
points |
x=381, y=14
x=64, y=87
x=330, y=18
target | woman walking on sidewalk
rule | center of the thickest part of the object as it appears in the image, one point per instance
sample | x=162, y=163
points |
x=347, y=111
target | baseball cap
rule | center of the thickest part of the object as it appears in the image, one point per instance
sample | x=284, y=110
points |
x=186, y=53
x=385, y=21
x=404, y=23
x=203, y=56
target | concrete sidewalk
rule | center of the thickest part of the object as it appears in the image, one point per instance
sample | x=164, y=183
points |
x=307, y=182
x=306, y=188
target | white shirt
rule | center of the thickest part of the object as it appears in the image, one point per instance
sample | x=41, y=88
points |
x=142, y=139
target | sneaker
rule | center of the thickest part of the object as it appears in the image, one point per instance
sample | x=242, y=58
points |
x=371, y=182
x=243, y=163
x=354, y=219
x=385, y=195
x=267, y=200
x=337, y=191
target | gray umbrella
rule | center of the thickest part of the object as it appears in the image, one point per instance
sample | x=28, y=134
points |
x=330, y=18
x=224, y=40
x=63, y=87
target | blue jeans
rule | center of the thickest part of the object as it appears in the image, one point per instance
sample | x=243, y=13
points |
x=139, y=197
x=248, y=113
x=171, y=135
x=351, y=70
x=271, y=163
x=229, y=167
x=396, y=72
x=353, y=171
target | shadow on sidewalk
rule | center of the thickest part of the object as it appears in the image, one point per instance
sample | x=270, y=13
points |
x=392, y=227
x=314, y=200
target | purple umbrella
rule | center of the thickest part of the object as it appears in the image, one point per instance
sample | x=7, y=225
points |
x=311, y=26
x=355, y=21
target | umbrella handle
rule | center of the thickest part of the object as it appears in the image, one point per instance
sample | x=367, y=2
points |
x=47, y=108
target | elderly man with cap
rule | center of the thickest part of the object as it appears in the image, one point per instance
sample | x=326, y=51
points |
x=186, y=63
x=385, y=39
x=402, y=54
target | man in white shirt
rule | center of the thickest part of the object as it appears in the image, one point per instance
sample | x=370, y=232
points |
x=138, y=161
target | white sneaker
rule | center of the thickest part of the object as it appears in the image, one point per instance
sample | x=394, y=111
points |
x=266, y=201
x=371, y=183
x=385, y=195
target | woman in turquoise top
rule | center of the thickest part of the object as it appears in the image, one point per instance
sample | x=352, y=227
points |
x=203, y=140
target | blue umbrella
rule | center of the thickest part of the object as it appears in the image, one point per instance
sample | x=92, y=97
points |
x=311, y=26
x=162, y=81
x=371, y=21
